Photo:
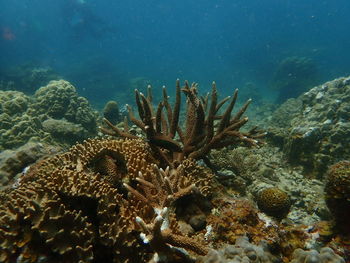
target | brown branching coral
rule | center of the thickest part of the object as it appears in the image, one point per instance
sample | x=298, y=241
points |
x=163, y=189
x=206, y=128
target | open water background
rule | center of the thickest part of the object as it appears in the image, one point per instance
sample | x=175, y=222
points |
x=101, y=45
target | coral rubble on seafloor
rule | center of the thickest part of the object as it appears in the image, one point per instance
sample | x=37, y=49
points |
x=149, y=197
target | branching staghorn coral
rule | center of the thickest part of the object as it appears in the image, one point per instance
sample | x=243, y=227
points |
x=159, y=193
x=205, y=127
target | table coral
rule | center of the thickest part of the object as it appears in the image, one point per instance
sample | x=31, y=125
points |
x=74, y=206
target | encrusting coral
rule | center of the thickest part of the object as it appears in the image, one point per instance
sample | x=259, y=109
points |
x=234, y=218
x=313, y=129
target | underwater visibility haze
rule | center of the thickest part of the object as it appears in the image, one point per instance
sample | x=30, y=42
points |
x=101, y=45
x=166, y=131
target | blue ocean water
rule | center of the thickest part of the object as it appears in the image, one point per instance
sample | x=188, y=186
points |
x=100, y=45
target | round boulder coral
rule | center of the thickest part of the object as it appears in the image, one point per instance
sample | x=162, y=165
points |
x=274, y=202
x=337, y=194
x=59, y=99
x=111, y=112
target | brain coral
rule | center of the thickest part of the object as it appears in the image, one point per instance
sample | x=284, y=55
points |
x=337, y=194
x=274, y=202
x=65, y=210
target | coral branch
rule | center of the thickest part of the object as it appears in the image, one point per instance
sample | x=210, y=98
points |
x=205, y=128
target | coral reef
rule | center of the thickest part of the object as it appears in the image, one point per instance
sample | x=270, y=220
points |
x=162, y=232
x=274, y=202
x=147, y=196
x=113, y=193
x=13, y=103
x=64, y=131
x=275, y=171
x=205, y=128
x=337, y=195
x=318, y=131
x=25, y=118
x=293, y=76
x=233, y=218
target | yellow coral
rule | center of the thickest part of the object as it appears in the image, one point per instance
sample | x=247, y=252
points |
x=274, y=202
